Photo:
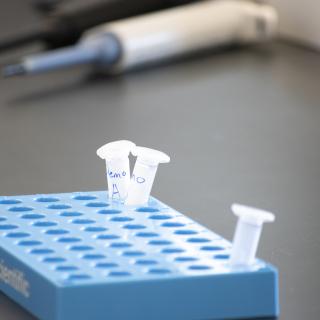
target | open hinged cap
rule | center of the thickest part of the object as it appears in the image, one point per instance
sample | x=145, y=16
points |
x=115, y=149
x=150, y=156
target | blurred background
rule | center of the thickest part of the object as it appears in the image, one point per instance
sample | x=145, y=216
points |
x=229, y=90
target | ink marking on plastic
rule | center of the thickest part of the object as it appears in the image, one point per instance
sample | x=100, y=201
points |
x=139, y=180
x=115, y=191
x=116, y=175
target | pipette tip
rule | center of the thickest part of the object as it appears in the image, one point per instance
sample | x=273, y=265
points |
x=14, y=70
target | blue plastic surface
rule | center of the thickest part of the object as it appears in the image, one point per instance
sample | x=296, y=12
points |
x=77, y=256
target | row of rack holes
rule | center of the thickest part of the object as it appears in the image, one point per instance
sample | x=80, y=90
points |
x=79, y=197
x=118, y=274
x=104, y=211
x=57, y=206
x=118, y=245
x=108, y=265
x=144, y=210
x=61, y=206
x=125, y=253
x=48, y=199
x=101, y=229
x=116, y=219
x=157, y=271
x=53, y=199
x=139, y=234
x=110, y=237
x=44, y=251
x=128, y=219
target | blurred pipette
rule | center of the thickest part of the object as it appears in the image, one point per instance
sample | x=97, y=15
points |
x=67, y=20
x=126, y=44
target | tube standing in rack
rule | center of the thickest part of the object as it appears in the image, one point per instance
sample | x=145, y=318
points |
x=116, y=155
x=247, y=235
x=143, y=174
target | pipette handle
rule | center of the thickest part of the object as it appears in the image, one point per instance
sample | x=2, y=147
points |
x=170, y=33
x=147, y=39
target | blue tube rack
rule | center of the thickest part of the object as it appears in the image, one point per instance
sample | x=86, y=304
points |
x=77, y=256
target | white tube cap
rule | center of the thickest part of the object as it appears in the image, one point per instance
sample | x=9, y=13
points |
x=252, y=215
x=150, y=156
x=115, y=149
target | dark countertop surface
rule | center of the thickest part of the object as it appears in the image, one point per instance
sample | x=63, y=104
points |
x=240, y=126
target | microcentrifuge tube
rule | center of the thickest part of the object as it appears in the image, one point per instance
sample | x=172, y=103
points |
x=116, y=155
x=247, y=235
x=143, y=174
